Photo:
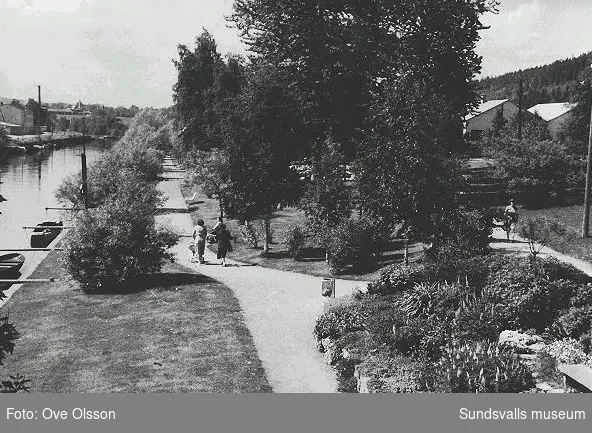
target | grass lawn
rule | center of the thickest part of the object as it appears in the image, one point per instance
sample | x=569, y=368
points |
x=572, y=216
x=181, y=332
x=312, y=263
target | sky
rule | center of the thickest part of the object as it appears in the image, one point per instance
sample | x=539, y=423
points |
x=119, y=52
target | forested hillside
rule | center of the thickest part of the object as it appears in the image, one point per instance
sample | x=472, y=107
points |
x=556, y=82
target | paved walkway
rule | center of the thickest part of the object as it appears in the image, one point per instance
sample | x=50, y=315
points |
x=520, y=245
x=279, y=307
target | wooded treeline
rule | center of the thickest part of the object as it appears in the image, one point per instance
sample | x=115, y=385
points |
x=555, y=82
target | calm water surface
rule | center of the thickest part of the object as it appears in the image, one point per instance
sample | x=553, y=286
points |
x=29, y=182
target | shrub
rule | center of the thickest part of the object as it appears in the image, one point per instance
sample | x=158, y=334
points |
x=346, y=382
x=526, y=295
x=8, y=334
x=338, y=320
x=540, y=230
x=391, y=372
x=567, y=351
x=116, y=243
x=249, y=234
x=295, y=241
x=577, y=323
x=353, y=242
x=461, y=233
x=396, y=279
x=477, y=367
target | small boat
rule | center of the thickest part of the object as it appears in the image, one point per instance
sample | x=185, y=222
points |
x=44, y=233
x=10, y=264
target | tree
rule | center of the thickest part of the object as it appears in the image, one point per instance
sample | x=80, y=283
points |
x=196, y=76
x=336, y=52
x=578, y=127
x=3, y=138
x=326, y=200
x=498, y=123
x=211, y=170
x=405, y=174
x=538, y=171
x=262, y=138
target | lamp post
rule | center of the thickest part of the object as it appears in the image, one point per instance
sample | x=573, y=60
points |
x=587, y=197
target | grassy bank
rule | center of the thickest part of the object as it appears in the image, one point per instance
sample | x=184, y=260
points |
x=313, y=260
x=571, y=216
x=178, y=332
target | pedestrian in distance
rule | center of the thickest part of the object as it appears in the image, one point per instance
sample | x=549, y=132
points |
x=510, y=217
x=199, y=237
x=224, y=244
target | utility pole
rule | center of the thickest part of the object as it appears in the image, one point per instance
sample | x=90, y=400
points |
x=586, y=222
x=520, y=93
x=84, y=188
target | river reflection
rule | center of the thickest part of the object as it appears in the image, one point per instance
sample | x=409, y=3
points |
x=29, y=182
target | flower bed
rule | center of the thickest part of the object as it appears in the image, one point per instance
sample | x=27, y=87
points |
x=435, y=313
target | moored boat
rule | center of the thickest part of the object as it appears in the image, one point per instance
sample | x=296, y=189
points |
x=45, y=233
x=10, y=264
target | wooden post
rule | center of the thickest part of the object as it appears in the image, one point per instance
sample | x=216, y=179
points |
x=520, y=92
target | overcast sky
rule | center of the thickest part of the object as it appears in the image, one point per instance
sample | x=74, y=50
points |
x=118, y=52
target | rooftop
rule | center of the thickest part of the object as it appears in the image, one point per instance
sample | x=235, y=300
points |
x=486, y=106
x=552, y=111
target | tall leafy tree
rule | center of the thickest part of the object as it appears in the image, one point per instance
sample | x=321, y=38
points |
x=196, y=75
x=262, y=139
x=405, y=173
x=338, y=50
x=578, y=127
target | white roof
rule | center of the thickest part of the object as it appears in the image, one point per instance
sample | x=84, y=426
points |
x=486, y=106
x=8, y=124
x=552, y=111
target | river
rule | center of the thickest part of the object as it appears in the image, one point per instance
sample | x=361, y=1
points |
x=29, y=182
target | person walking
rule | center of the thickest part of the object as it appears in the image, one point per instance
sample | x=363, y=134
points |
x=510, y=217
x=213, y=236
x=199, y=237
x=224, y=244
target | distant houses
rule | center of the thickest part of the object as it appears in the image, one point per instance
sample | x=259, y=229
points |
x=556, y=115
x=75, y=112
x=17, y=119
x=482, y=118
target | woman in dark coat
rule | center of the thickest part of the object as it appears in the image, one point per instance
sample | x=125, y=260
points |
x=223, y=243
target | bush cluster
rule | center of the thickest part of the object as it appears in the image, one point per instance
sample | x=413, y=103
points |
x=295, y=241
x=476, y=367
x=453, y=308
x=116, y=240
x=568, y=351
x=397, y=278
x=354, y=242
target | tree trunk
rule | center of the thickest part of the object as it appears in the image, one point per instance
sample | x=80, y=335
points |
x=221, y=206
x=406, y=250
x=267, y=233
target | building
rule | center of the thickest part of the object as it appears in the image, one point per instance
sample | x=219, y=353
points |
x=17, y=119
x=482, y=118
x=76, y=111
x=556, y=115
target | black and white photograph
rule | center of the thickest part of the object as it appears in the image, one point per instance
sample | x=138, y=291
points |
x=296, y=196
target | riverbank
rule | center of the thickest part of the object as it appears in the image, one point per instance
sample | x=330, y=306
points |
x=182, y=332
x=33, y=143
